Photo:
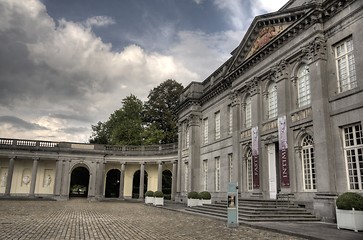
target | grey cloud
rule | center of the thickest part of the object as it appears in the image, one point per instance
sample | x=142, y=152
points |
x=75, y=130
x=19, y=123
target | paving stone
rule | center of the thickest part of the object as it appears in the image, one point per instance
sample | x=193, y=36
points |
x=80, y=219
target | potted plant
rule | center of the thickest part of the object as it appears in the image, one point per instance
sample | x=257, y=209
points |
x=158, y=198
x=205, y=198
x=149, y=197
x=193, y=199
x=349, y=211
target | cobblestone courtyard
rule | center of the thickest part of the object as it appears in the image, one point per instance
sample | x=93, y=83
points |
x=80, y=219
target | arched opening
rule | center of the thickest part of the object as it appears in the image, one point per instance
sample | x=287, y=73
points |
x=79, y=182
x=166, y=184
x=136, y=184
x=113, y=183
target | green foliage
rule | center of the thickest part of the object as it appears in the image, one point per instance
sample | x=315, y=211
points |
x=136, y=123
x=205, y=195
x=159, y=109
x=193, y=195
x=149, y=194
x=158, y=194
x=350, y=200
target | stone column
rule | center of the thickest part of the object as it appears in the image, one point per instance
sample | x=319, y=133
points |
x=321, y=120
x=122, y=181
x=34, y=177
x=180, y=150
x=142, y=176
x=66, y=178
x=10, y=176
x=57, y=178
x=236, y=136
x=174, y=180
x=101, y=177
x=194, y=152
x=160, y=176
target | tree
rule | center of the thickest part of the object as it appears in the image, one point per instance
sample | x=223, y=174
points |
x=124, y=126
x=159, y=109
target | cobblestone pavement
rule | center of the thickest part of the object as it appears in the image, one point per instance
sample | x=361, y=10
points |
x=80, y=219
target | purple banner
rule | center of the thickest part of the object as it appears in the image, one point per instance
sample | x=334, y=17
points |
x=283, y=151
x=255, y=159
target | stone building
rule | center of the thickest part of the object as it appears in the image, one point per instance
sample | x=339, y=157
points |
x=60, y=170
x=283, y=115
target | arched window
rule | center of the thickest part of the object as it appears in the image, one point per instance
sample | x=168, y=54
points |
x=272, y=101
x=249, y=170
x=308, y=163
x=303, y=86
x=248, y=122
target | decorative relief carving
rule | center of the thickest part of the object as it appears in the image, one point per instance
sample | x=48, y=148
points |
x=234, y=97
x=317, y=49
x=269, y=125
x=252, y=86
x=300, y=115
x=246, y=134
x=194, y=119
x=280, y=70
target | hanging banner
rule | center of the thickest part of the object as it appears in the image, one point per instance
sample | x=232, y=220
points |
x=283, y=153
x=255, y=159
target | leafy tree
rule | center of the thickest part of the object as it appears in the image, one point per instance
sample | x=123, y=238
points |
x=100, y=134
x=159, y=109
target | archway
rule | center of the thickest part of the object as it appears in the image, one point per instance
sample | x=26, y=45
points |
x=166, y=184
x=79, y=182
x=113, y=184
x=136, y=184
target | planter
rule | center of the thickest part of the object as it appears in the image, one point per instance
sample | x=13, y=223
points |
x=158, y=201
x=193, y=202
x=205, y=201
x=149, y=200
x=350, y=219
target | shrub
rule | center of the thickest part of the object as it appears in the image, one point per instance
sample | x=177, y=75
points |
x=350, y=200
x=149, y=194
x=193, y=195
x=158, y=194
x=205, y=195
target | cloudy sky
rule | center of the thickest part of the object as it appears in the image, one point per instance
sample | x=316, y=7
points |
x=67, y=64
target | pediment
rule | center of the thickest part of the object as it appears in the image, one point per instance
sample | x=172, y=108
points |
x=264, y=30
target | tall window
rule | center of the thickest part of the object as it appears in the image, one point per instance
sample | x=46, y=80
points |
x=186, y=177
x=345, y=65
x=272, y=101
x=303, y=86
x=217, y=174
x=249, y=170
x=205, y=130
x=248, y=122
x=217, y=117
x=230, y=122
x=353, y=149
x=205, y=175
x=308, y=163
x=230, y=167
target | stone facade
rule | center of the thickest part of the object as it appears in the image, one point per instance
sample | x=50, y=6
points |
x=61, y=170
x=284, y=114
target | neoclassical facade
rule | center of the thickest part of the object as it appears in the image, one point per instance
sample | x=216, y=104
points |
x=61, y=170
x=283, y=115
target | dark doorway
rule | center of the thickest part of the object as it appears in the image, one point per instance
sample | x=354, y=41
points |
x=136, y=184
x=166, y=184
x=79, y=182
x=113, y=183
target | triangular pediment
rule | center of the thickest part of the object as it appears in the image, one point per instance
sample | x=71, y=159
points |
x=264, y=30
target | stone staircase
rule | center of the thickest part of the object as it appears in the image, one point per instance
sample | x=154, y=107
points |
x=258, y=211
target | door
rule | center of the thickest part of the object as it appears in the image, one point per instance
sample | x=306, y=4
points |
x=271, y=151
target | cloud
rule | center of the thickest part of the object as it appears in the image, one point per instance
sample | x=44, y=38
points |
x=62, y=67
x=17, y=123
x=99, y=21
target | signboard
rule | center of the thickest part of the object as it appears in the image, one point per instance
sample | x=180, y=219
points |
x=255, y=159
x=283, y=153
x=232, y=205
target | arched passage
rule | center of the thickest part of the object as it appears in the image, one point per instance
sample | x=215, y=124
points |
x=79, y=182
x=113, y=184
x=166, y=183
x=136, y=184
